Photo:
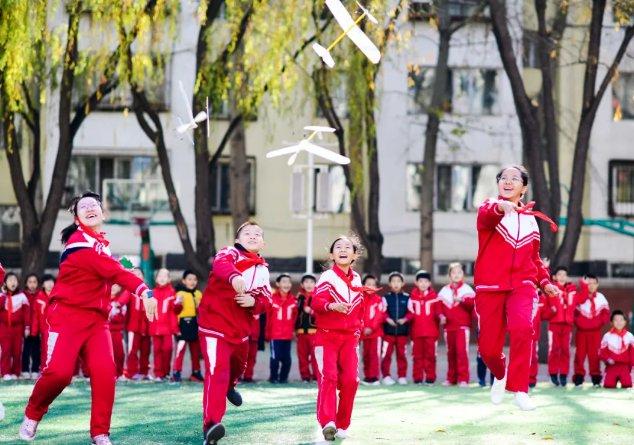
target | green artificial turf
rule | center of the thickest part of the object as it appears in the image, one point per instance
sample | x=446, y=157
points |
x=152, y=413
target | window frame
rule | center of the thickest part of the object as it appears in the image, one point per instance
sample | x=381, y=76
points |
x=225, y=160
x=612, y=163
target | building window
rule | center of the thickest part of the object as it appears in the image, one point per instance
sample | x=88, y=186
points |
x=530, y=49
x=458, y=187
x=330, y=193
x=220, y=183
x=623, y=96
x=423, y=10
x=156, y=86
x=621, y=190
x=9, y=225
x=89, y=172
x=469, y=91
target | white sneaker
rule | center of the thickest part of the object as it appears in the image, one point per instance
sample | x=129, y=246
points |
x=25, y=375
x=28, y=429
x=497, y=390
x=102, y=439
x=402, y=381
x=387, y=380
x=523, y=400
x=341, y=433
x=35, y=375
x=14, y=377
x=446, y=383
x=329, y=431
x=463, y=385
x=6, y=377
x=375, y=383
x=1, y=412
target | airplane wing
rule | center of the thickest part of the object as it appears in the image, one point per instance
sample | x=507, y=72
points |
x=190, y=113
x=283, y=151
x=325, y=153
x=319, y=128
x=355, y=34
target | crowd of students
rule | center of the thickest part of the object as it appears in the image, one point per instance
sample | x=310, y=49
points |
x=391, y=322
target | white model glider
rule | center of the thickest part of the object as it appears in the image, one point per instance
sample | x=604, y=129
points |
x=193, y=121
x=351, y=30
x=306, y=145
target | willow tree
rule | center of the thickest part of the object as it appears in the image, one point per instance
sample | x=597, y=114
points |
x=29, y=35
x=357, y=133
x=239, y=60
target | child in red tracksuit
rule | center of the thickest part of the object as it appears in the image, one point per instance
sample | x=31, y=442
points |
x=617, y=351
x=338, y=305
x=39, y=324
x=425, y=313
x=305, y=330
x=508, y=270
x=138, y=335
x=15, y=322
x=116, y=323
x=457, y=306
x=373, y=319
x=280, y=323
x=31, y=349
x=591, y=314
x=165, y=326
x=238, y=288
x=254, y=340
x=395, y=330
x=560, y=329
x=546, y=309
x=77, y=317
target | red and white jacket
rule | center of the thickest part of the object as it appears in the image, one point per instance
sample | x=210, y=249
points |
x=335, y=286
x=508, y=250
x=618, y=346
x=117, y=314
x=545, y=310
x=373, y=315
x=167, y=308
x=565, y=302
x=458, y=313
x=86, y=273
x=592, y=310
x=136, y=320
x=38, y=323
x=218, y=314
x=15, y=310
x=425, y=309
x=281, y=316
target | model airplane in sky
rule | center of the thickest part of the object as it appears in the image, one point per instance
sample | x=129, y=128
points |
x=184, y=127
x=307, y=146
x=351, y=30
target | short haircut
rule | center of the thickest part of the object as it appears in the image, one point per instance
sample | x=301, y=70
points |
x=453, y=266
x=395, y=274
x=189, y=272
x=617, y=312
x=368, y=277
x=249, y=222
x=423, y=274
x=282, y=275
x=558, y=268
x=308, y=277
x=592, y=276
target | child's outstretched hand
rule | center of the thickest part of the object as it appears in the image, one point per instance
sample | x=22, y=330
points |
x=239, y=285
x=390, y=321
x=367, y=331
x=442, y=319
x=245, y=300
x=610, y=361
x=307, y=309
x=401, y=321
x=339, y=307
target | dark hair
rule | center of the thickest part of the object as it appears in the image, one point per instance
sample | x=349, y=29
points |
x=617, y=312
x=282, y=275
x=558, y=268
x=519, y=168
x=592, y=276
x=189, y=272
x=423, y=274
x=11, y=274
x=47, y=277
x=368, y=277
x=72, y=228
x=356, y=245
x=395, y=274
x=29, y=276
x=249, y=222
x=308, y=277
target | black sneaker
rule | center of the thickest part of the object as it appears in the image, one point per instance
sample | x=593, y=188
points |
x=234, y=397
x=532, y=385
x=554, y=379
x=283, y=382
x=577, y=379
x=176, y=377
x=196, y=377
x=596, y=381
x=563, y=379
x=213, y=434
x=329, y=432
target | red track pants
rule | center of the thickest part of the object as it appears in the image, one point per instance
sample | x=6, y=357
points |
x=138, y=353
x=371, y=353
x=338, y=362
x=194, y=352
x=162, y=350
x=224, y=364
x=587, y=344
x=457, y=342
x=391, y=342
x=251, y=359
x=11, y=341
x=510, y=311
x=73, y=333
x=559, y=335
x=118, y=351
x=618, y=371
x=424, y=352
x=306, y=356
